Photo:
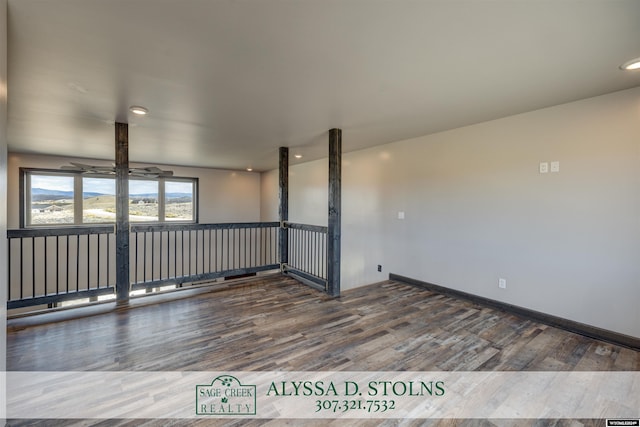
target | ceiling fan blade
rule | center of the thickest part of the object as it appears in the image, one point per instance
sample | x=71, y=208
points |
x=81, y=165
x=148, y=172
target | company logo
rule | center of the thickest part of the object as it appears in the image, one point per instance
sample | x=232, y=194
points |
x=623, y=422
x=225, y=396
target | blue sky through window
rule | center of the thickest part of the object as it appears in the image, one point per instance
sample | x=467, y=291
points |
x=99, y=185
x=50, y=182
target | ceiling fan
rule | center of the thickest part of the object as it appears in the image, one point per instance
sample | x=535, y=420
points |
x=148, y=172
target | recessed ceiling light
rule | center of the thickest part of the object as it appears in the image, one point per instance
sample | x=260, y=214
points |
x=634, y=64
x=136, y=109
x=249, y=169
x=298, y=156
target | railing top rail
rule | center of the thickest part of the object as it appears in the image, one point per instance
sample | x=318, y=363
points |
x=307, y=227
x=141, y=228
x=109, y=228
x=59, y=231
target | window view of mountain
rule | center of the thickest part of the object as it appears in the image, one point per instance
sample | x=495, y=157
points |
x=57, y=207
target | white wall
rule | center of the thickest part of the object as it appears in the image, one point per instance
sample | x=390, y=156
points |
x=224, y=196
x=477, y=209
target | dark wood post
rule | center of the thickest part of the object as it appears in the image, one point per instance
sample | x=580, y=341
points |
x=283, y=210
x=335, y=212
x=122, y=214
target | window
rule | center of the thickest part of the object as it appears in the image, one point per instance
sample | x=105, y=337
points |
x=60, y=198
x=143, y=200
x=51, y=199
x=98, y=200
x=178, y=200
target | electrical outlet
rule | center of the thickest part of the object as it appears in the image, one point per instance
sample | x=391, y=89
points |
x=379, y=268
x=502, y=283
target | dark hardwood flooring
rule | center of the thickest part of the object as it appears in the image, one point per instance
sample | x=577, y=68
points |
x=275, y=323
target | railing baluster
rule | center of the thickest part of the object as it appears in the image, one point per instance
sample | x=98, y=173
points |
x=215, y=249
x=209, y=263
x=45, y=267
x=160, y=256
x=153, y=254
x=313, y=253
x=88, y=261
x=144, y=257
x=300, y=243
x=267, y=249
x=108, y=263
x=33, y=266
x=197, y=251
x=98, y=262
x=306, y=251
x=9, y=269
x=67, y=262
x=22, y=268
x=316, y=251
x=254, y=244
x=203, y=251
x=303, y=252
x=77, y=262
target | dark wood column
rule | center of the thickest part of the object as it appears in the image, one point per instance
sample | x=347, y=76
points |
x=122, y=214
x=335, y=212
x=283, y=210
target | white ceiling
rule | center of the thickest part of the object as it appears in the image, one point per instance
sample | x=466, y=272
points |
x=229, y=81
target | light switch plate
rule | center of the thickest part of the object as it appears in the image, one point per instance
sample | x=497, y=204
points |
x=400, y=215
x=544, y=167
x=555, y=167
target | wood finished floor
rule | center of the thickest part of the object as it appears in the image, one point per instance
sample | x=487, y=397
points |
x=275, y=323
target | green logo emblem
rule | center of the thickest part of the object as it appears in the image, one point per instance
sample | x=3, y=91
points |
x=225, y=396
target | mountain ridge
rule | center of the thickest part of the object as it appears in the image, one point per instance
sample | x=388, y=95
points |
x=47, y=194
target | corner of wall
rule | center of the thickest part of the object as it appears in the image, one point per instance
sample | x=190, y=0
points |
x=3, y=207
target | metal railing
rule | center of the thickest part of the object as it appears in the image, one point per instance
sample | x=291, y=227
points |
x=48, y=265
x=54, y=265
x=164, y=254
x=307, y=253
